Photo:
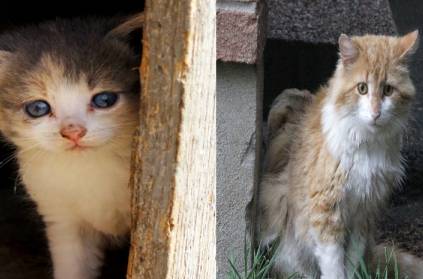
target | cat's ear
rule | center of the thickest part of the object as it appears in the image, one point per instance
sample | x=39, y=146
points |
x=135, y=22
x=348, y=51
x=408, y=43
x=5, y=57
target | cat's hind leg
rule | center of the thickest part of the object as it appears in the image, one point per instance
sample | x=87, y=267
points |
x=285, y=108
x=283, y=119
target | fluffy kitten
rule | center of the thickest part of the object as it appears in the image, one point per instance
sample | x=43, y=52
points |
x=69, y=102
x=334, y=159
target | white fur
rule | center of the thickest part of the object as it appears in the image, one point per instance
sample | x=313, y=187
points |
x=369, y=154
x=331, y=261
x=74, y=194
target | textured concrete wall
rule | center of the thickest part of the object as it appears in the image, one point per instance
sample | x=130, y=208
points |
x=238, y=112
x=323, y=20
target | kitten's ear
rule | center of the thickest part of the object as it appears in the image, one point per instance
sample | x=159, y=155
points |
x=5, y=57
x=131, y=24
x=408, y=43
x=347, y=50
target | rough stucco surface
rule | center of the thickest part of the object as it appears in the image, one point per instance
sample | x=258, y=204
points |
x=236, y=168
x=323, y=20
x=239, y=29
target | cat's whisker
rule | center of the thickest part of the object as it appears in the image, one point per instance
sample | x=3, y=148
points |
x=114, y=127
x=7, y=160
x=15, y=154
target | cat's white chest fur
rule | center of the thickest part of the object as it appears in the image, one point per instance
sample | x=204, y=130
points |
x=372, y=161
x=89, y=187
x=373, y=170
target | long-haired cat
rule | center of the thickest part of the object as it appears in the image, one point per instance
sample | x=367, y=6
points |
x=334, y=159
x=69, y=93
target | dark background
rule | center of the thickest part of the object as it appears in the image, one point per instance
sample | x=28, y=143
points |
x=23, y=250
x=307, y=66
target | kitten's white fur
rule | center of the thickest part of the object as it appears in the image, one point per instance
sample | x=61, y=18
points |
x=83, y=195
x=79, y=195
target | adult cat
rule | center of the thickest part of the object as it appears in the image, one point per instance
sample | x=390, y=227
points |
x=334, y=160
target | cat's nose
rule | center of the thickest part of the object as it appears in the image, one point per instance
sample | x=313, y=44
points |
x=73, y=132
x=375, y=115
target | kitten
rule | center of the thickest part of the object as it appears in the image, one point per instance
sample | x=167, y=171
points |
x=334, y=159
x=69, y=93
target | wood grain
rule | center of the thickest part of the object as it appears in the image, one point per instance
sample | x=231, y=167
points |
x=174, y=164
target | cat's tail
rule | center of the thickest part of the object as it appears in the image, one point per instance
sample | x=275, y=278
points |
x=284, y=116
x=398, y=262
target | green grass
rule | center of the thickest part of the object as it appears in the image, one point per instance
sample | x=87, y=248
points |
x=257, y=267
x=383, y=270
x=260, y=265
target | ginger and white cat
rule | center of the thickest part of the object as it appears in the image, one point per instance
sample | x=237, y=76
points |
x=334, y=159
x=69, y=92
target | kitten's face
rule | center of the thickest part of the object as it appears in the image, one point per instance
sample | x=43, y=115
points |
x=372, y=80
x=60, y=114
x=59, y=105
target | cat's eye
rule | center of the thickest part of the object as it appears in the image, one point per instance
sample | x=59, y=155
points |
x=104, y=100
x=362, y=88
x=388, y=90
x=37, y=108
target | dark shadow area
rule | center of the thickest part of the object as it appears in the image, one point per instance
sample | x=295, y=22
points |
x=307, y=66
x=295, y=65
x=23, y=245
x=403, y=224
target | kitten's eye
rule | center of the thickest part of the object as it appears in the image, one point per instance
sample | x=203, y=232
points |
x=388, y=90
x=104, y=100
x=362, y=88
x=37, y=108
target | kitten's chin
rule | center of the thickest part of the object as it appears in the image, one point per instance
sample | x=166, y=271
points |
x=85, y=147
x=82, y=147
x=78, y=148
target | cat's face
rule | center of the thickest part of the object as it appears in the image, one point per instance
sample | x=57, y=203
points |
x=372, y=81
x=57, y=113
x=69, y=101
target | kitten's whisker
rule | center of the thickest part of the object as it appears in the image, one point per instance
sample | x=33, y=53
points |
x=113, y=127
x=7, y=160
x=15, y=154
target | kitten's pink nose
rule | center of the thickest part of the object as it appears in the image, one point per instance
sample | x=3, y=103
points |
x=73, y=132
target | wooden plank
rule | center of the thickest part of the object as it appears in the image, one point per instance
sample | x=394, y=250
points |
x=174, y=169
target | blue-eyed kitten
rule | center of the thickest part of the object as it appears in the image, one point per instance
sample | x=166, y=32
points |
x=69, y=92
